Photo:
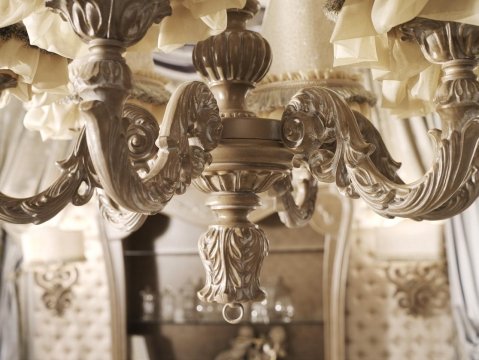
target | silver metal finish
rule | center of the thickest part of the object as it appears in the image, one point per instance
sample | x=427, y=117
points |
x=141, y=166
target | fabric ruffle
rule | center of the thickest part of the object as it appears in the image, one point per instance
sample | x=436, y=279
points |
x=14, y=11
x=37, y=85
x=408, y=79
x=56, y=113
x=190, y=22
x=194, y=20
x=276, y=91
x=51, y=108
x=56, y=117
x=32, y=67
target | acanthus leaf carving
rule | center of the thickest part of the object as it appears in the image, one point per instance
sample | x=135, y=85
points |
x=191, y=116
x=141, y=132
x=291, y=213
x=76, y=184
x=126, y=21
x=359, y=163
x=232, y=257
x=121, y=219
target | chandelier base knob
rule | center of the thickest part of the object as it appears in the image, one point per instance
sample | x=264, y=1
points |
x=232, y=309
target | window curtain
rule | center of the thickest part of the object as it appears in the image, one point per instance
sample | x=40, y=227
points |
x=10, y=329
x=462, y=241
x=10, y=256
x=27, y=166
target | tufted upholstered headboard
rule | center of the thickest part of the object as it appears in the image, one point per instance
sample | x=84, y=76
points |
x=84, y=330
x=379, y=325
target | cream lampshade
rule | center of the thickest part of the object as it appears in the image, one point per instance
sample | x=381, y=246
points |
x=43, y=245
x=302, y=57
x=298, y=36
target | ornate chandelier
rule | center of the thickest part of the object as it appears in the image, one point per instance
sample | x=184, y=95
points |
x=209, y=137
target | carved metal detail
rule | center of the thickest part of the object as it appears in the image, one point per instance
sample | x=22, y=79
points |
x=344, y=147
x=191, y=114
x=236, y=56
x=123, y=220
x=234, y=256
x=232, y=253
x=290, y=213
x=249, y=180
x=123, y=20
x=141, y=166
x=102, y=79
x=421, y=289
x=76, y=184
x=141, y=134
x=57, y=282
x=454, y=46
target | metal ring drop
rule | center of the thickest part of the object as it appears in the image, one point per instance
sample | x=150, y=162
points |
x=235, y=306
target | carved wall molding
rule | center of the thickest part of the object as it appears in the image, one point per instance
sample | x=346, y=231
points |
x=421, y=288
x=57, y=282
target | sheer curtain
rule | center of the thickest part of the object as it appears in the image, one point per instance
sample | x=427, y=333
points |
x=10, y=329
x=27, y=166
x=462, y=240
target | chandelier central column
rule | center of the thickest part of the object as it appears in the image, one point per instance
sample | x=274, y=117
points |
x=249, y=159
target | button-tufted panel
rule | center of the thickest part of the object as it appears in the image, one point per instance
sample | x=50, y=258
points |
x=377, y=327
x=83, y=332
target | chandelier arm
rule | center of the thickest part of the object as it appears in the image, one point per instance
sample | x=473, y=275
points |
x=76, y=184
x=120, y=218
x=342, y=146
x=102, y=79
x=290, y=213
x=191, y=116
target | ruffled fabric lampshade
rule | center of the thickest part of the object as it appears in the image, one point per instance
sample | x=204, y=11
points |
x=302, y=57
x=408, y=80
x=191, y=21
x=36, y=85
x=48, y=42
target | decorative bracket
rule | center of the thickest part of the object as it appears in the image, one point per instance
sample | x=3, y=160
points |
x=57, y=282
x=421, y=289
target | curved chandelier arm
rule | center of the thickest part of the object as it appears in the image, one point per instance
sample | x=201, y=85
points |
x=190, y=128
x=76, y=184
x=290, y=213
x=129, y=174
x=342, y=146
x=121, y=219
